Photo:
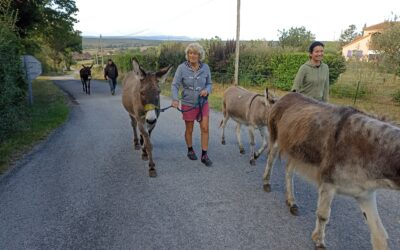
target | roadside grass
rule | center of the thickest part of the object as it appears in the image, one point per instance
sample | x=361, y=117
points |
x=49, y=111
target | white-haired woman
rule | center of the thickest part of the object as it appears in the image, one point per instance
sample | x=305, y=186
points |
x=194, y=77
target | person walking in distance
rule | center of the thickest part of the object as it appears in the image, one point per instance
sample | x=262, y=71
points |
x=111, y=74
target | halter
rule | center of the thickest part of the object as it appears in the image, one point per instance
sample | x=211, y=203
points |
x=149, y=107
x=251, y=101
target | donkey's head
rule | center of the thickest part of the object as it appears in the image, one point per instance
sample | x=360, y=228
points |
x=86, y=72
x=150, y=89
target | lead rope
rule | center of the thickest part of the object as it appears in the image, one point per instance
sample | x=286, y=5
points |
x=200, y=104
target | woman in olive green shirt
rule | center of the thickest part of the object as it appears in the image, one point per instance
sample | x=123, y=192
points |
x=312, y=79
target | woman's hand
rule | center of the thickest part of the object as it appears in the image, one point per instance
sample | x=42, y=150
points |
x=175, y=103
x=204, y=93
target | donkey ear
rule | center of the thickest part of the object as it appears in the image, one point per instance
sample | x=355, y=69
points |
x=269, y=98
x=83, y=65
x=91, y=65
x=138, y=70
x=163, y=73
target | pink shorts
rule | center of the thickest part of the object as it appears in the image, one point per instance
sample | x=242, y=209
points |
x=192, y=114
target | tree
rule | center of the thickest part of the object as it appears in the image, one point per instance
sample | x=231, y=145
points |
x=48, y=25
x=387, y=44
x=348, y=35
x=297, y=37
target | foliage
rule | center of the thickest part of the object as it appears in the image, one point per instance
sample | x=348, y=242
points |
x=147, y=59
x=171, y=53
x=296, y=37
x=337, y=65
x=8, y=16
x=219, y=53
x=284, y=68
x=12, y=85
x=388, y=44
x=348, y=35
x=347, y=91
x=396, y=96
x=254, y=67
x=48, y=112
x=48, y=24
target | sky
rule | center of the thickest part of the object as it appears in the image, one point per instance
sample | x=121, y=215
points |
x=259, y=19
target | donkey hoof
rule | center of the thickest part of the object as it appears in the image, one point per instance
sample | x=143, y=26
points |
x=137, y=147
x=256, y=156
x=294, y=210
x=320, y=247
x=242, y=151
x=152, y=173
x=145, y=157
x=252, y=162
x=267, y=188
x=223, y=142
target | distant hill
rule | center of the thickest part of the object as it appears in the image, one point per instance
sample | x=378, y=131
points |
x=113, y=42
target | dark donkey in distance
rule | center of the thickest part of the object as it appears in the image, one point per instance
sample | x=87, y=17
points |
x=141, y=98
x=86, y=76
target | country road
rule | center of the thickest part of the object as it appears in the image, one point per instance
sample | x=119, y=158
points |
x=86, y=188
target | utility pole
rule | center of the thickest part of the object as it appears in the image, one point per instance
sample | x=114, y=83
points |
x=236, y=80
x=97, y=52
x=101, y=51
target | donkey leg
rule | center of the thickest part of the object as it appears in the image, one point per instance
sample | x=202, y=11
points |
x=272, y=151
x=88, y=87
x=326, y=192
x=83, y=85
x=148, y=148
x=145, y=156
x=252, y=145
x=379, y=235
x=239, y=138
x=135, y=134
x=222, y=125
x=290, y=200
x=263, y=133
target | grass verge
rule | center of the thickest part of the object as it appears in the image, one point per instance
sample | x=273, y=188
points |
x=49, y=110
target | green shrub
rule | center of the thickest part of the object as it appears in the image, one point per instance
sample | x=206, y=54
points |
x=171, y=53
x=284, y=68
x=13, y=87
x=337, y=65
x=147, y=59
x=396, y=96
x=254, y=67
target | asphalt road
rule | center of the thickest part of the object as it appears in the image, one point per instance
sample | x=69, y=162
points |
x=86, y=188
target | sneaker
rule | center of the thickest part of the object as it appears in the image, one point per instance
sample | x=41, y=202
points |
x=206, y=160
x=192, y=155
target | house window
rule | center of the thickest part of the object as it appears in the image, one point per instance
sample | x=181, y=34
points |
x=358, y=54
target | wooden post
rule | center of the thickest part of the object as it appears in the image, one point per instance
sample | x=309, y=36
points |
x=236, y=80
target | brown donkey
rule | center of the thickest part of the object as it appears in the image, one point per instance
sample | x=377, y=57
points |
x=141, y=98
x=248, y=109
x=341, y=150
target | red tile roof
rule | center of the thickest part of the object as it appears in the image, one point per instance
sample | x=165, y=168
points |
x=379, y=26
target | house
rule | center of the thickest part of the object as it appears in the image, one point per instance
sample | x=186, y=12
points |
x=360, y=48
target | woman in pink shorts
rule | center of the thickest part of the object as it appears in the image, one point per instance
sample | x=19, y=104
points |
x=194, y=77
